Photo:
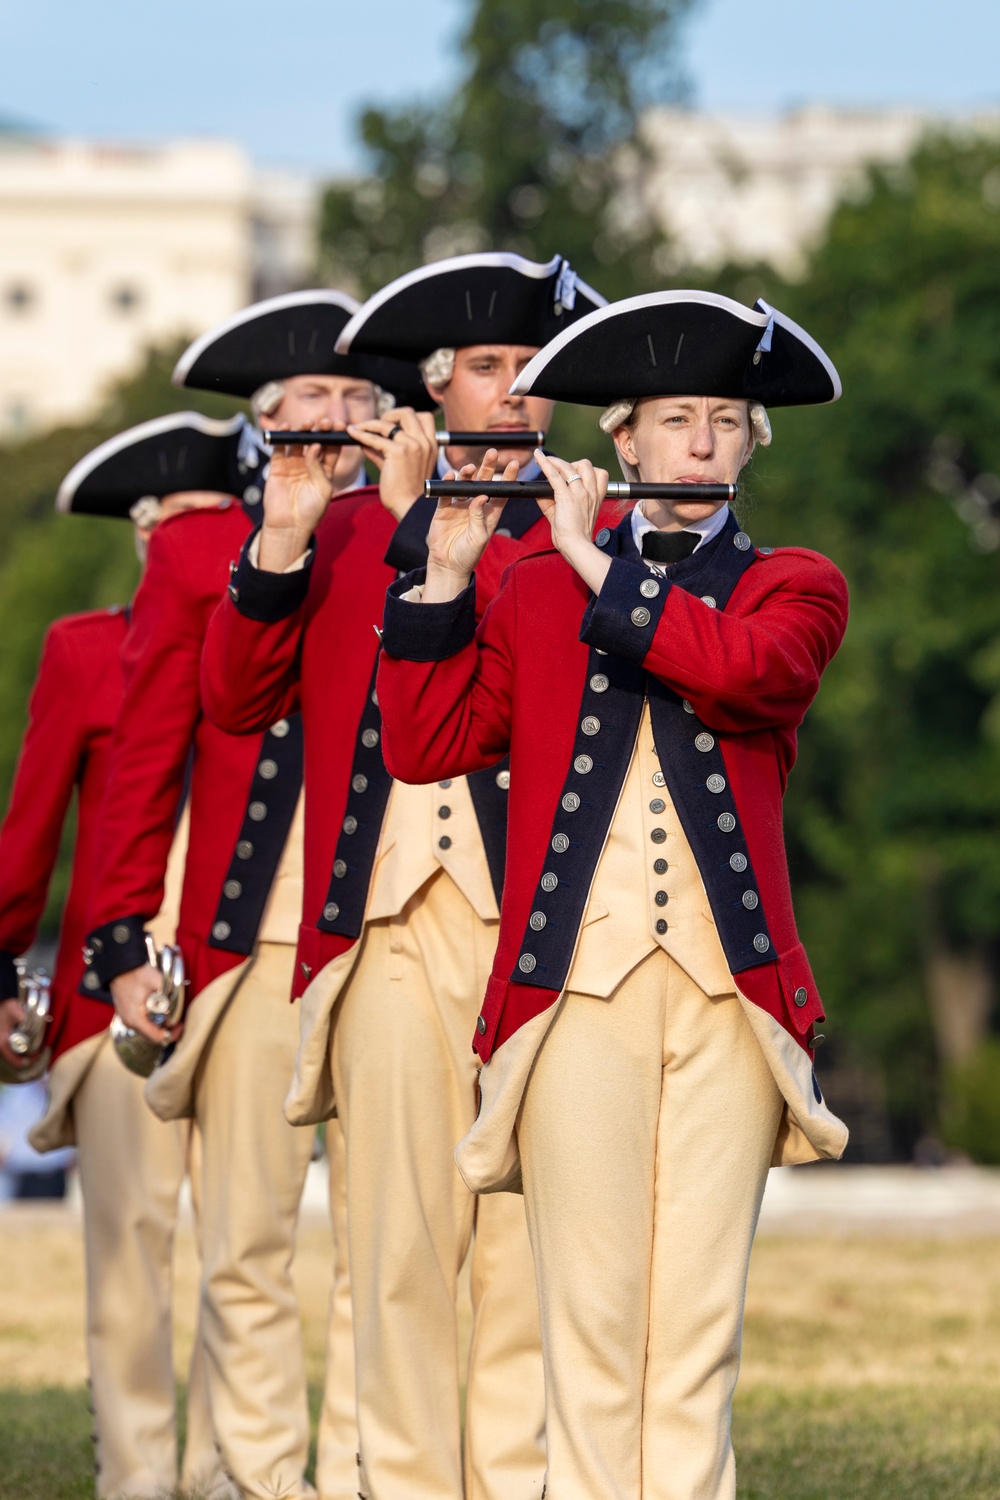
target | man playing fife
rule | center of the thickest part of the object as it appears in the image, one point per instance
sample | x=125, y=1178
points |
x=648, y=1029
x=400, y=908
x=131, y=1165
x=239, y=917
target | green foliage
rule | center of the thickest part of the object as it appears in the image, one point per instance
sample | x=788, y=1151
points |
x=971, y=1113
x=894, y=808
x=55, y=565
x=534, y=151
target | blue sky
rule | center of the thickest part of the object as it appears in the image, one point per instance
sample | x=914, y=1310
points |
x=287, y=80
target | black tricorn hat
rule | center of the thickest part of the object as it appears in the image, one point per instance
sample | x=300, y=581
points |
x=184, y=451
x=294, y=334
x=492, y=298
x=682, y=343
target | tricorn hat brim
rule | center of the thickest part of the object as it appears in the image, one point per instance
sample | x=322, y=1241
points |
x=689, y=343
x=489, y=298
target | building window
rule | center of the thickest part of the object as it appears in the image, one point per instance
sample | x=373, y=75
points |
x=18, y=298
x=125, y=299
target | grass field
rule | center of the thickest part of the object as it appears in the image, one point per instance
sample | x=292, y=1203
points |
x=871, y=1366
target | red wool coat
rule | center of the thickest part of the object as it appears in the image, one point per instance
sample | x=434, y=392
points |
x=729, y=648
x=71, y=717
x=309, y=640
x=242, y=790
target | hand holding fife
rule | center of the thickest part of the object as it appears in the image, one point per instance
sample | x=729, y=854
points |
x=577, y=492
x=11, y=1015
x=460, y=531
x=403, y=447
x=298, y=490
x=130, y=992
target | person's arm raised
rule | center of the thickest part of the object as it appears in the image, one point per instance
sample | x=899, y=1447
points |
x=296, y=496
x=459, y=533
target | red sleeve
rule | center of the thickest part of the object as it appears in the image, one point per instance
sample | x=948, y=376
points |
x=447, y=712
x=250, y=665
x=154, y=730
x=47, y=770
x=740, y=672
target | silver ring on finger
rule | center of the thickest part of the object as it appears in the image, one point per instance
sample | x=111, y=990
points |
x=575, y=479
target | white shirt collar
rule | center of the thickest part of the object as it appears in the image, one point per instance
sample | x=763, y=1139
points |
x=706, y=529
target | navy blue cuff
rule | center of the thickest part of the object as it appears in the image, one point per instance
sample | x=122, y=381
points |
x=427, y=632
x=116, y=948
x=268, y=597
x=623, y=617
x=9, y=987
x=408, y=548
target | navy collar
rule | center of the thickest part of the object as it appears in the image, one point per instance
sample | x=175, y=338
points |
x=712, y=572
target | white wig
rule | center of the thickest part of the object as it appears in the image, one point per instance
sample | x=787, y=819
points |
x=438, y=368
x=620, y=414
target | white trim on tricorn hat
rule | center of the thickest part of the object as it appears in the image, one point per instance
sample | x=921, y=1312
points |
x=161, y=480
x=681, y=342
x=424, y=287
x=282, y=337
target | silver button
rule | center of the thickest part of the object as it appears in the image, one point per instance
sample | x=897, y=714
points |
x=503, y=780
x=359, y=784
x=527, y=962
x=268, y=769
x=370, y=739
x=306, y=969
x=590, y=725
x=801, y=996
x=350, y=824
x=657, y=805
x=375, y=696
x=280, y=729
x=253, y=494
x=244, y=849
x=257, y=811
x=96, y=947
x=233, y=890
x=233, y=593
x=762, y=942
x=659, y=779
x=726, y=822
x=716, y=783
x=738, y=862
x=649, y=588
x=704, y=742
x=91, y=981
x=707, y=599
x=686, y=706
x=560, y=843
x=121, y=933
x=481, y=1025
x=603, y=537
x=340, y=868
x=331, y=911
x=221, y=930
x=444, y=785
x=503, y=531
x=751, y=900
x=571, y=801
x=583, y=765
x=742, y=541
x=599, y=683
x=549, y=881
x=765, y=551
x=641, y=616
x=537, y=921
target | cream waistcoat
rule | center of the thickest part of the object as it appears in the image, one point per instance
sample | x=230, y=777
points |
x=426, y=829
x=647, y=891
x=283, y=912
